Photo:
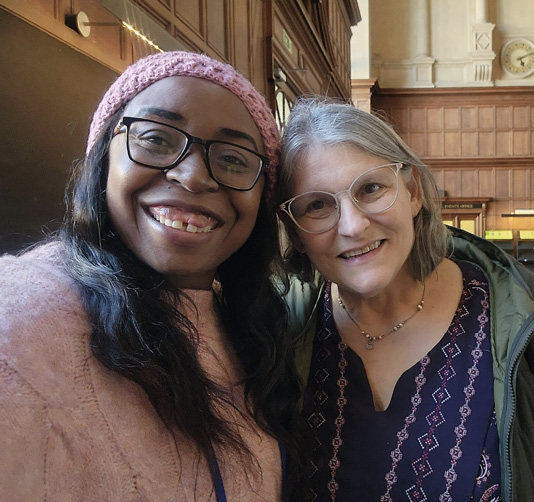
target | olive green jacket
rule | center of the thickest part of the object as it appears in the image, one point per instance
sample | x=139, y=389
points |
x=512, y=328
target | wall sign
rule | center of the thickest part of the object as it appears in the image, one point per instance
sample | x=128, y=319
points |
x=288, y=43
x=462, y=206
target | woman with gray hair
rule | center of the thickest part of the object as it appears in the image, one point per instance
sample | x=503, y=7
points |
x=415, y=352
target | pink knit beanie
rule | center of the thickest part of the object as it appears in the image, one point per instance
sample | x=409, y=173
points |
x=150, y=69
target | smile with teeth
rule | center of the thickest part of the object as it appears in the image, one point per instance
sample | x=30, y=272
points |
x=361, y=251
x=183, y=221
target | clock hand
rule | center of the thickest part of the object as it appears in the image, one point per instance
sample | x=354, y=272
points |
x=525, y=56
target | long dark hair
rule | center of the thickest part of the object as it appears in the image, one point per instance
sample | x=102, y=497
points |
x=151, y=341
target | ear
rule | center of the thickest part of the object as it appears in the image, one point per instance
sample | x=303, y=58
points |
x=291, y=231
x=416, y=192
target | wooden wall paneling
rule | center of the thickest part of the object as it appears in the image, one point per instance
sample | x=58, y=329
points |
x=189, y=16
x=217, y=23
x=418, y=142
x=486, y=118
x=502, y=184
x=521, y=117
x=494, y=220
x=241, y=52
x=520, y=184
x=486, y=183
x=157, y=11
x=469, y=186
x=50, y=8
x=486, y=143
x=105, y=44
x=399, y=118
x=257, y=46
x=439, y=177
x=452, y=144
x=503, y=143
x=303, y=74
x=286, y=46
x=451, y=117
x=194, y=44
x=485, y=147
x=503, y=117
x=469, y=118
x=435, y=118
x=106, y=37
x=189, y=19
x=435, y=144
x=469, y=144
x=307, y=45
x=451, y=183
x=339, y=35
x=417, y=119
x=521, y=143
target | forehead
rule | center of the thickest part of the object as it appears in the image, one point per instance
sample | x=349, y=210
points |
x=331, y=167
x=196, y=102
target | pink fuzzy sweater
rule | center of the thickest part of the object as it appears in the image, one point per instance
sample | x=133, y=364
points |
x=73, y=431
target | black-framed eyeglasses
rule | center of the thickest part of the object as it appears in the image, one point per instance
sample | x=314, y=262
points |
x=373, y=192
x=160, y=146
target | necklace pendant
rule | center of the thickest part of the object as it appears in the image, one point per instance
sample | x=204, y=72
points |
x=370, y=340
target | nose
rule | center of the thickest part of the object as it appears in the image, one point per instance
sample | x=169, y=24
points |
x=352, y=220
x=192, y=172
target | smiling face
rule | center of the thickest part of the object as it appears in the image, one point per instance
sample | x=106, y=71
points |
x=182, y=223
x=363, y=253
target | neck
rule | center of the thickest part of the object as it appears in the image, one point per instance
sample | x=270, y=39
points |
x=386, y=303
x=377, y=332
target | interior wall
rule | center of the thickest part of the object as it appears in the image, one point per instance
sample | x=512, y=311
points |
x=48, y=94
x=477, y=144
x=457, y=43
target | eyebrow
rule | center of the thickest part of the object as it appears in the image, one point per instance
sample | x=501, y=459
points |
x=233, y=133
x=176, y=117
x=160, y=112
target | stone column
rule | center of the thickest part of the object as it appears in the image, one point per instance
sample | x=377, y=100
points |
x=423, y=61
x=422, y=28
x=481, y=9
x=482, y=55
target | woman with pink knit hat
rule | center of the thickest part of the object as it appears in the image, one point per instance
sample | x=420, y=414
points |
x=143, y=354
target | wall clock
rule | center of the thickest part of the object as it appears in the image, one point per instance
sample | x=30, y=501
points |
x=517, y=57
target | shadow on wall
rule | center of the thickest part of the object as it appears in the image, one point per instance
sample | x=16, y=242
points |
x=49, y=92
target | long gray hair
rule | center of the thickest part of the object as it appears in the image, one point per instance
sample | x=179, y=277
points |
x=323, y=121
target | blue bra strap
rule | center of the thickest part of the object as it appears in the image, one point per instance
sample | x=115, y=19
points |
x=283, y=457
x=217, y=481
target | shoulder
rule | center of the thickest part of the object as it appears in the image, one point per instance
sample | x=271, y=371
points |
x=511, y=294
x=47, y=257
x=43, y=328
x=506, y=275
x=35, y=289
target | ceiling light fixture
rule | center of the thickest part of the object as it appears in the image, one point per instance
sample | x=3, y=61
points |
x=144, y=38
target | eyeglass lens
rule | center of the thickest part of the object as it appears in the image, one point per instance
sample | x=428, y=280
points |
x=373, y=192
x=160, y=146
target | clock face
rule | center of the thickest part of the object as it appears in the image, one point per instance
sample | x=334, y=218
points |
x=517, y=57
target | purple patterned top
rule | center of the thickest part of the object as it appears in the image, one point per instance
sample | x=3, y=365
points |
x=437, y=440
